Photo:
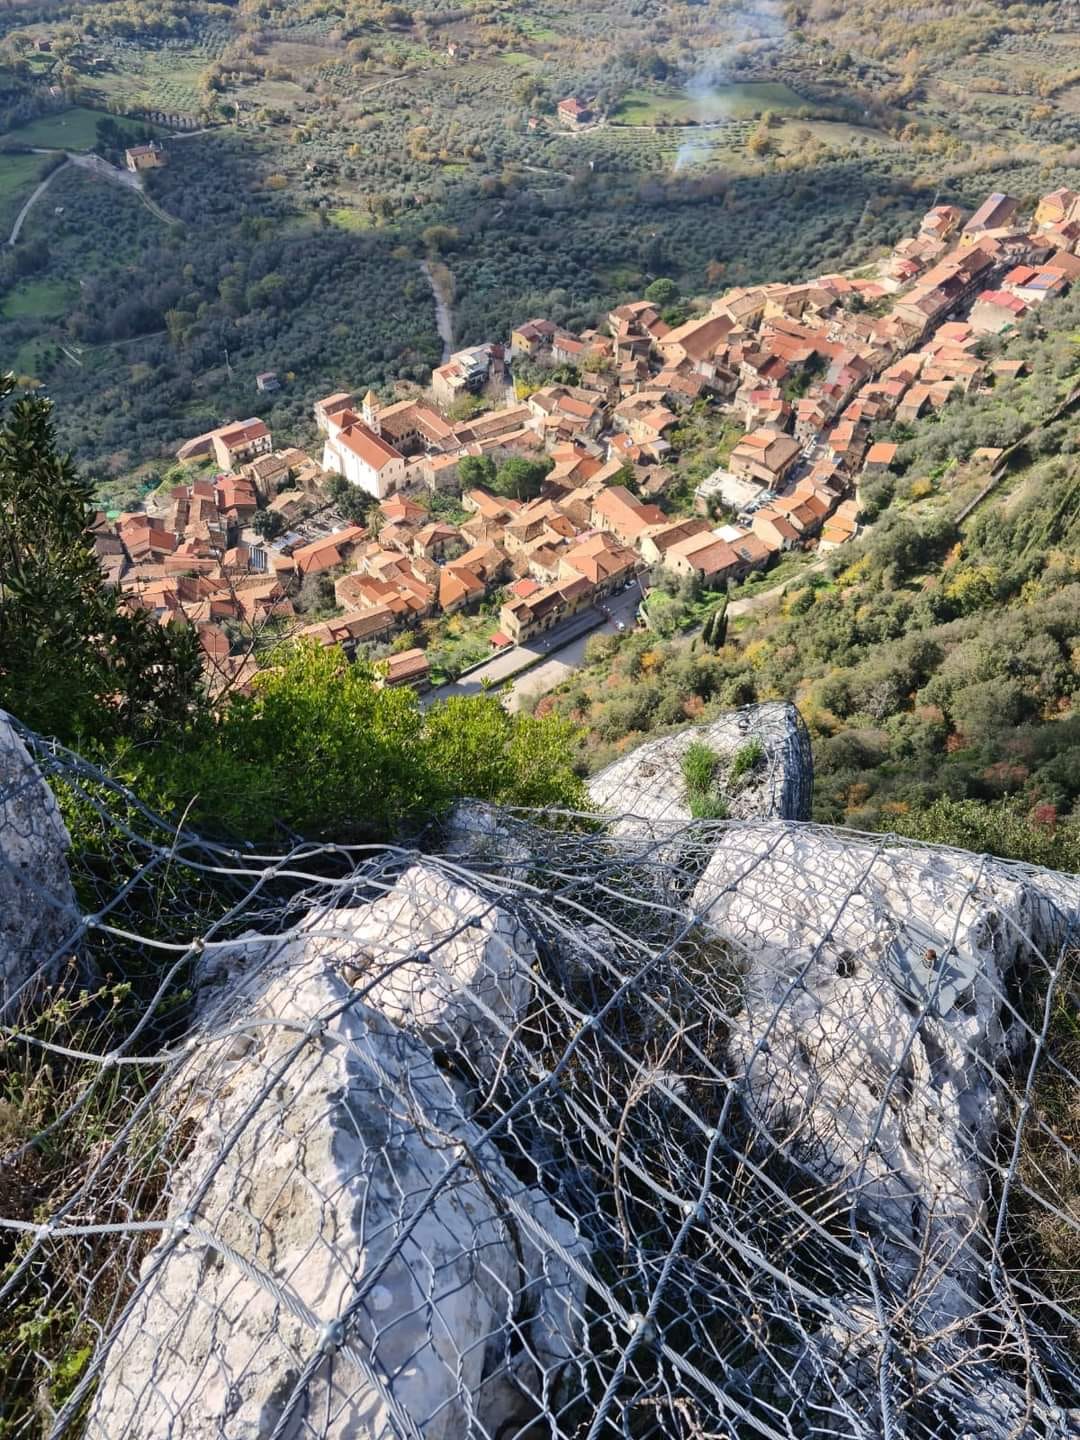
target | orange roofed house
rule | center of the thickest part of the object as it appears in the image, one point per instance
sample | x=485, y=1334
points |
x=410, y=667
x=615, y=509
x=541, y=609
x=574, y=112
x=328, y=552
x=146, y=157
x=995, y=212
x=236, y=444
x=602, y=561
x=764, y=455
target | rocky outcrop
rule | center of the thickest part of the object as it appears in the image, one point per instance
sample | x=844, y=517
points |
x=38, y=912
x=487, y=837
x=761, y=1066
x=646, y=791
x=878, y=1024
x=352, y=1254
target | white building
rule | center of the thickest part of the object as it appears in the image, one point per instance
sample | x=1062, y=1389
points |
x=355, y=448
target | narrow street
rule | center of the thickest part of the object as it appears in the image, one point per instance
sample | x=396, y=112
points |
x=563, y=646
x=444, y=317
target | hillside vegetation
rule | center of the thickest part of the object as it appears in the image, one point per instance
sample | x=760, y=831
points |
x=935, y=660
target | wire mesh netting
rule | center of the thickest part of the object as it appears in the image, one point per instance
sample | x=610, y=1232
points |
x=535, y=1127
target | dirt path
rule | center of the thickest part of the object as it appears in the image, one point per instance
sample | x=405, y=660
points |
x=126, y=180
x=766, y=597
x=444, y=316
x=34, y=198
x=94, y=165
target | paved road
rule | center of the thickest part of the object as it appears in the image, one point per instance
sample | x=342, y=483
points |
x=565, y=641
x=444, y=319
x=571, y=657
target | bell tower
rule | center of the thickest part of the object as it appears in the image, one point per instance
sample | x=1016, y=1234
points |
x=371, y=412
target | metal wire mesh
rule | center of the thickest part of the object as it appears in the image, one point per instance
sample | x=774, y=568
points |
x=539, y=1127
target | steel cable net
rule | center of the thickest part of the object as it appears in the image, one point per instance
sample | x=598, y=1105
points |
x=532, y=1129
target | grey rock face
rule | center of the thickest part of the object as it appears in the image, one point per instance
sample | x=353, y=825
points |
x=38, y=910
x=336, y=1175
x=647, y=793
x=439, y=961
x=876, y=993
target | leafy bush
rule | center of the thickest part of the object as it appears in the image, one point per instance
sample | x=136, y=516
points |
x=73, y=660
x=318, y=748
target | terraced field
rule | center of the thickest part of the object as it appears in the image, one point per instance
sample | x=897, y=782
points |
x=650, y=151
x=161, y=79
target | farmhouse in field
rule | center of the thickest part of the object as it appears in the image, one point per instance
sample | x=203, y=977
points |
x=146, y=157
x=574, y=112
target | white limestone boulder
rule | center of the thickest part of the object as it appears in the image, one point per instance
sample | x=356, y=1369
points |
x=647, y=793
x=39, y=915
x=335, y=1176
x=876, y=1009
x=439, y=960
x=486, y=837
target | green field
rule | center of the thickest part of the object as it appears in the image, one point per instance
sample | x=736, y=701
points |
x=346, y=218
x=18, y=176
x=726, y=102
x=37, y=299
x=74, y=129
x=28, y=358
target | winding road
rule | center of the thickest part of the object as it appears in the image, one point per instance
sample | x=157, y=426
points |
x=17, y=227
x=96, y=166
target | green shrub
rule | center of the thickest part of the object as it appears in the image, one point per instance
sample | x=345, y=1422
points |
x=699, y=767
x=318, y=748
x=708, y=806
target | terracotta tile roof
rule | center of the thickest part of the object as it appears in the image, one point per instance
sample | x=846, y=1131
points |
x=408, y=665
x=242, y=433
x=1002, y=300
x=599, y=558
x=706, y=553
x=399, y=507
x=367, y=446
x=457, y=582
x=995, y=210
x=358, y=626
x=330, y=550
